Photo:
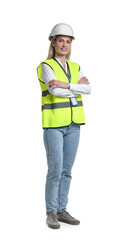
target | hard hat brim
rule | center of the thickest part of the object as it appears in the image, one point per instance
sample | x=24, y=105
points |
x=50, y=37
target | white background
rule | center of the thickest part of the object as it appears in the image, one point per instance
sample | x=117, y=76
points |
x=98, y=195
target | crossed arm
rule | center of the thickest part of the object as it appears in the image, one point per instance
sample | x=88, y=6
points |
x=58, y=84
x=62, y=89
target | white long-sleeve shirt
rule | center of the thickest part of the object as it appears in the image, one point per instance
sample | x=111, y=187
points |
x=75, y=89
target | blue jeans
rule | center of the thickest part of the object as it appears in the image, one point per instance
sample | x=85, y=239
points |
x=61, y=146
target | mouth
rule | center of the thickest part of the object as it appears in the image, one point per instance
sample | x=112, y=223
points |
x=63, y=49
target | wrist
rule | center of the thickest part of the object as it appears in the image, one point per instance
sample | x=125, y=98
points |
x=68, y=85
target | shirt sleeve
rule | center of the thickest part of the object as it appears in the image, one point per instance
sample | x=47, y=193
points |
x=80, y=88
x=47, y=75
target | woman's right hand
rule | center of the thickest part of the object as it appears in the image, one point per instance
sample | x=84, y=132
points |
x=83, y=80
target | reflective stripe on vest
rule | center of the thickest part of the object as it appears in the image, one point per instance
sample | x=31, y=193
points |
x=60, y=105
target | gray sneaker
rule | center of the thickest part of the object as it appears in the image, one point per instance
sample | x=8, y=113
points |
x=52, y=221
x=64, y=216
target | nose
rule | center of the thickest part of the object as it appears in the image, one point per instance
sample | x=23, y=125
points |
x=64, y=43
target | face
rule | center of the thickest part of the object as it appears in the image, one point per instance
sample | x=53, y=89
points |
x=62, y=45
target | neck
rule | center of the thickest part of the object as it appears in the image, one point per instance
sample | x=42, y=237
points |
x=61, y=58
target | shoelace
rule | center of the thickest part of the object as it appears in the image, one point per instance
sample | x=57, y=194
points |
x=54, y=217
x=67, y=213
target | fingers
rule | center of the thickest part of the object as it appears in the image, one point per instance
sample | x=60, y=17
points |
x=53, y=83
x=83, y=80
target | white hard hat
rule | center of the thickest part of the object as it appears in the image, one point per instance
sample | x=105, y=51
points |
x=61, y=29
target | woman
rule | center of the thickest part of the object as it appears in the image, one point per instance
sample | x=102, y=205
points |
x=62, y=83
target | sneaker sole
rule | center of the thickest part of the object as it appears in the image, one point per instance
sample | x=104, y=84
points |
x=69, y=222
x=53, y=226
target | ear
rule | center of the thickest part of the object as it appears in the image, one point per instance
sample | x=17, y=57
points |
x=52, y=43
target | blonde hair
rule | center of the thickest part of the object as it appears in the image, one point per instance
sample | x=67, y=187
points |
x=51, y=52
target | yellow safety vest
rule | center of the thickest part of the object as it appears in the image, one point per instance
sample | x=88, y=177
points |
x=58, y=111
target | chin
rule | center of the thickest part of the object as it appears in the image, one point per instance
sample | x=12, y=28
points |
x=62, y=54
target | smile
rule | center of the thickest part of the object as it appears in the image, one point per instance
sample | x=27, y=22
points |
x=63, y=49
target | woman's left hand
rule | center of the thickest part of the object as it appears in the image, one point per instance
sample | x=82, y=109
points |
x=58, y=84
x=83, y=80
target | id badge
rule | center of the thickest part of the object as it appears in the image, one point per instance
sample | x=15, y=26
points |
x=74, y=101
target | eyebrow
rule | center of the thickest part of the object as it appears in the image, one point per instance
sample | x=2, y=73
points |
x=60, y=38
